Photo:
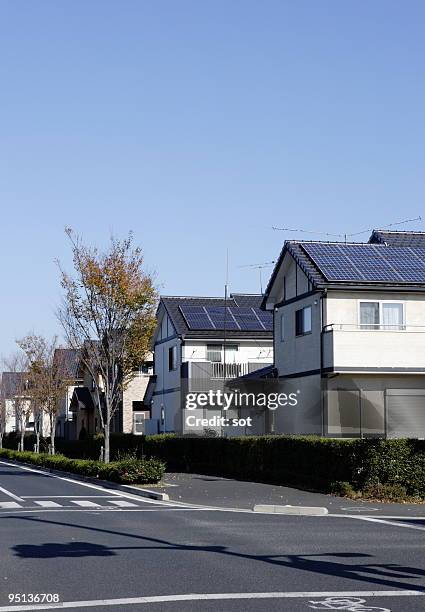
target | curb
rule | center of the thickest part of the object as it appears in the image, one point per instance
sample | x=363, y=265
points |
x=292, y=510
x=106, y=484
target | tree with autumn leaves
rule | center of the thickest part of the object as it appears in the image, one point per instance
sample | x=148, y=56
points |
x=48, y=376
x=108, y=313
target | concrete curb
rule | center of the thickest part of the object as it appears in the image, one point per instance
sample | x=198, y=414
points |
x=106, y=484
x=291, y=510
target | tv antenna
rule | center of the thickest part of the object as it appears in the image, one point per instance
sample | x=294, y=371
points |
x=344, y=236
x=259, y=267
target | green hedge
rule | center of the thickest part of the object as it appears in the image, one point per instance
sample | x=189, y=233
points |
x=308, y=462
x=126, y=471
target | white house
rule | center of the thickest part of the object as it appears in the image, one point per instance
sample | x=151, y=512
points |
x=16, y=409
x=349, y=324
x=198, y=343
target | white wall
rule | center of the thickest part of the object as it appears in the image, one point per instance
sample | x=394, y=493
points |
x=347, y=346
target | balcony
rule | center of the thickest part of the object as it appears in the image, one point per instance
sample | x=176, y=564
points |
x=385, y=347
x=228, y=370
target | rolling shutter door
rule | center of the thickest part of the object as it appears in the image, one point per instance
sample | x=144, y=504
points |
x=405, y=413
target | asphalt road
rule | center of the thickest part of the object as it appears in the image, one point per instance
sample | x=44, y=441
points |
x=98, y=549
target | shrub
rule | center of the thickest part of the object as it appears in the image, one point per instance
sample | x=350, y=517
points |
x=345, y=489
x=392, y=492
x=129, y=471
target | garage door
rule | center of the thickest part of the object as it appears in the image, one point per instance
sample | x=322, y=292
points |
x=405, y=413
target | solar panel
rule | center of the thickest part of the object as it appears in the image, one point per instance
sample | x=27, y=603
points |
x=236, y=319
x=222, y=319
x=196, y=317
x=247, y=319
x=266, y=318
x=368, y=262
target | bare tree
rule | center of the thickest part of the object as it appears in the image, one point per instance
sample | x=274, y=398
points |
x=109, y=313
x=48, y=378
x=18, y=392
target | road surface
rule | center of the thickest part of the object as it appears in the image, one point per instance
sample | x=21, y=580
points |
x=98, y=549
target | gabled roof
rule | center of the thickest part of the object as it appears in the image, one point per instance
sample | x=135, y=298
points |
x=172, y=306
x=69, y=361
x=397, y=238
x=400, y=265
x=12, y=383
x=82, y=398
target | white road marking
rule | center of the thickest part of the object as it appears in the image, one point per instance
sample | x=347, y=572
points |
x=87, y=484
x=129, y=601
x=85, y=503
x=123, y=504
x=405, y=525
x=9, y=494
x=64, y=496
x=9, y=505
x=47, y=504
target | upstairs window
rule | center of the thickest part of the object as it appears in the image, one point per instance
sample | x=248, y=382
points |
x=172, y=358
x=303, y=321
x=382, y=315
x=214, y=352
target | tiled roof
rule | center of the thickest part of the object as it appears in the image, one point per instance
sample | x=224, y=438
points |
x=402, y=239
x=172, y=303
x=12, y=383
x=402, y=265
x=69, y=360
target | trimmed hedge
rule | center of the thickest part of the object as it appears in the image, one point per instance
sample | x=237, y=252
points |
x=308, y=462
x=127, y=471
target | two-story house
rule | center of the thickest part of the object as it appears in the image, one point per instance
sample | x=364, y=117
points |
x=349, y=322
x=17, y=408
x=199, y=342
x=83, y=410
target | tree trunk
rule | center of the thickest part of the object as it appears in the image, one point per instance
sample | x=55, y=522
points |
x=52, y=433
x=38, y=441
x=106, y=456
x=1, y=439
x=22, y=439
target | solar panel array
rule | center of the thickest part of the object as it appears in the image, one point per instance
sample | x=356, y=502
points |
x=368, y=262
x=230, y=318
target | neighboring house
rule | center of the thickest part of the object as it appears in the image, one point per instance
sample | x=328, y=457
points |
x=69, y=361
x=198, y=344
x=130, y=415
x=349, y=324
x=15, y=402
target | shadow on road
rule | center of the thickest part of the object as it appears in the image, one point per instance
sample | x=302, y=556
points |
x=329, y=564
x=71, y=549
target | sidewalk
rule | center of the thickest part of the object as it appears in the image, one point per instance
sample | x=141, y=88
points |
x=227, y=493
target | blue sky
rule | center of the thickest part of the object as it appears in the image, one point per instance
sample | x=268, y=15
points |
x=200, y=125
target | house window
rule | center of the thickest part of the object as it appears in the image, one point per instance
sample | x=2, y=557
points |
x=138, y=406
x=214, y=352
x=231, y=352
x=282, y=327
x=382, y=315
x=369, y=315
x=303, y=321
x=172, y=358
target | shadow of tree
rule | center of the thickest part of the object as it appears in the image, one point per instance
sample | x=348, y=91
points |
x=330, y=563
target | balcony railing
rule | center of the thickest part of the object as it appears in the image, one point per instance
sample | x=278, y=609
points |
x=373, y=327
x=228, y=370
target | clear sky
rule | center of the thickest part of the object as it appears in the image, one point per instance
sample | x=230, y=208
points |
x=200, y=125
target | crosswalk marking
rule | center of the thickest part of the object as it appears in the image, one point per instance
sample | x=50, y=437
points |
x=122, y=504
x=9, y=505
x=66, y=503
x=85, y=503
